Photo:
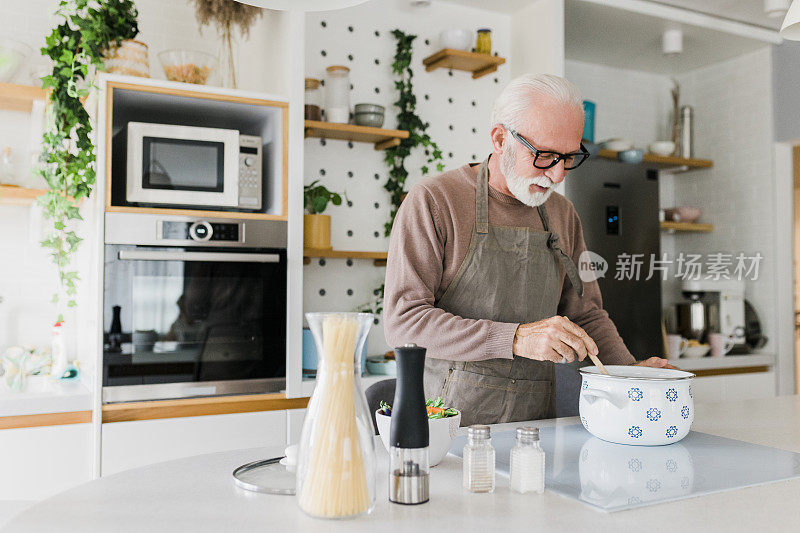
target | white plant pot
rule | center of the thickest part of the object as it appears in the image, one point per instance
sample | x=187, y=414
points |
x=442, y=431
x=637, y=405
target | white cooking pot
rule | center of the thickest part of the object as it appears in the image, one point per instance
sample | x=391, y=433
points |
x=636, y=404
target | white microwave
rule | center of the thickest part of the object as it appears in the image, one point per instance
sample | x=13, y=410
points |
x=187, y=166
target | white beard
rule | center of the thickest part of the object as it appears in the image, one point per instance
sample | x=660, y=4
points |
x=519, y=186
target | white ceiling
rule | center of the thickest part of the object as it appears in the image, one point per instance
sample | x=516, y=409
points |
x=747, y=11
x=614, y=37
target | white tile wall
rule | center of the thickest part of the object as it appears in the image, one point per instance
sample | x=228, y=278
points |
x=631, y=104
x=732, y=103
x=446, y=100
x=733, y=127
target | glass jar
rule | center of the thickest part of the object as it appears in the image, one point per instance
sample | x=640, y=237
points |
x=336, y=458
x=484, y=42
x=337, y=94
x=313, y=100
x=527, y=462
x=7, y=168
x=478, y=463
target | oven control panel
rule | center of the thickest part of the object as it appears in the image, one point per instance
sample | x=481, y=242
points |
x=201, y=231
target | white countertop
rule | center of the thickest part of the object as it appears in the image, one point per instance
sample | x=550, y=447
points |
x=197, y=494
x=729, y=361
x=59, y=396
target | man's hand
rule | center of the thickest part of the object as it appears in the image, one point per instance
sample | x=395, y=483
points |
x=551, y=339
x=656, y=362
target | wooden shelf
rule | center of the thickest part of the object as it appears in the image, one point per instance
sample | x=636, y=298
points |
x=15, y=97
x=379, y=258
x=664, y=161
x=12, y=195
x=193, y=213
x=479, y=64
x=381, y=138
x=686, y=226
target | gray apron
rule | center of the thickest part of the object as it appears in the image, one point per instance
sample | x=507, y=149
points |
x=509, y=274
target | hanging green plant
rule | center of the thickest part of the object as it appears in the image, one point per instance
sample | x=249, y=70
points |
x=408, y=120
x=67, y=159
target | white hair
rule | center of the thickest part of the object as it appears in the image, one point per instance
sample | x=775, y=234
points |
x=515, y=98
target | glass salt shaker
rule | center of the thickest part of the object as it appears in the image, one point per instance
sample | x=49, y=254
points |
x=478, y=473
x=527, y=462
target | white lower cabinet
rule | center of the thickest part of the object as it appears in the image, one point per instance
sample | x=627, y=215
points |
x=132, y=444
x=39, y=462
x=734, y=387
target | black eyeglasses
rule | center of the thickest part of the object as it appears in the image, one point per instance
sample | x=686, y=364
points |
x=544, y=159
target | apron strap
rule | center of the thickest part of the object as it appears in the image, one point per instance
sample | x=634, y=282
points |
x=482, y=199
x=564, y=259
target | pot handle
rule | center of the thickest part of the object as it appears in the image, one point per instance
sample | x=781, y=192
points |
x=593, y=394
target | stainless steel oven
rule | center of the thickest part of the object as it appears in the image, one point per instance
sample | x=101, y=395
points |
x=193, y=307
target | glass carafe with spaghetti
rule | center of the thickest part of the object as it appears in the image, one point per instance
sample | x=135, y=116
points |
x=336, y=459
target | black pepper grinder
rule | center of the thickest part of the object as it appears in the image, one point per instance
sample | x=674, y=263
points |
x=409, y=471
x=115, y=332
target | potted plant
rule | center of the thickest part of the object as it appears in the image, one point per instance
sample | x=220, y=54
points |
x=316, y=226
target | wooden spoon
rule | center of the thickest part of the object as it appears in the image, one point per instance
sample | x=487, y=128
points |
x=598, y=364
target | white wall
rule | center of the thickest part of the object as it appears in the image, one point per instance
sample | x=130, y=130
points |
x=469, y=109
x=27, y=277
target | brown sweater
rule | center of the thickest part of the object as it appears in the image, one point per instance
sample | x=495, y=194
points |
x=430, y=240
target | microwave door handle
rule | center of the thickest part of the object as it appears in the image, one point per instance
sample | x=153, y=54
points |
x=220, y=257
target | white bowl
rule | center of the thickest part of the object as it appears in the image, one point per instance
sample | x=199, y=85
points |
x=636, y=404
x=456, y=39
x=442, y=431
x=618, y=145
x=699, y=350
x=662, y=147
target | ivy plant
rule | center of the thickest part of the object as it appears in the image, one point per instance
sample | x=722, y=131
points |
x=316, y=198
x=408, y=120
x=67, y=160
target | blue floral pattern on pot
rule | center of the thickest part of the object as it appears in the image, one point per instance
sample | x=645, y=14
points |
x=671, y=465
x=690, y=392
x=636, y=431
x=585, y=423
x=653, y=414
x=671, y=432
x=635, y=465
x=685, y=412
x=585, y=385
x=635, y=394
x=672, y=395
x=653, y=485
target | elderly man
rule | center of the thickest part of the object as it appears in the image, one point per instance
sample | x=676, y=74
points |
x=481, y=266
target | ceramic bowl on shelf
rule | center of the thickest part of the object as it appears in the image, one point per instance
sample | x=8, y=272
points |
x=187, y=66
x=380, y=365
x=458, y=39
x=683, y=214
x=442, y=431
x=662, y=148
x=373, y=120
x=633, y=156
x=617, y=145
x=636, y=405
x=12, y=55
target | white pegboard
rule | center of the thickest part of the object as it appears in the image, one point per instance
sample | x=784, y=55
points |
x=457, y=107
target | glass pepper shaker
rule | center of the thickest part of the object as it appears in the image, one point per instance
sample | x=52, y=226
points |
x=527, y=462
x=478, y=465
